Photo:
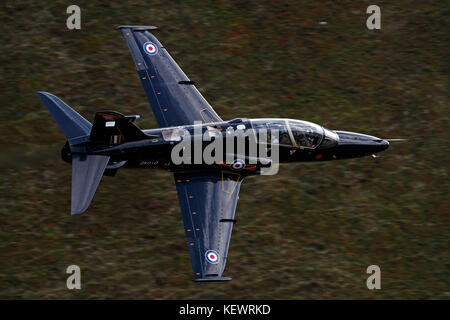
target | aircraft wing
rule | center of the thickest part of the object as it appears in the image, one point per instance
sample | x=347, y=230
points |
x=208, y=203
x=173, y=97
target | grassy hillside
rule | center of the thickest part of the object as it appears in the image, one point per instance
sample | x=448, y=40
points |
x=309, y=232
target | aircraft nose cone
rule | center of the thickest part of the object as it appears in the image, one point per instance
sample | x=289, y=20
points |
x=353, y=144
x=378, y=145
x=384, y=144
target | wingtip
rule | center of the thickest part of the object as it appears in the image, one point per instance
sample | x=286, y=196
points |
x=138, y=28
x=44, y=94
x=211, y=279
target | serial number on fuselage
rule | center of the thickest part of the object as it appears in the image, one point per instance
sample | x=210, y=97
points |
x=154, y=163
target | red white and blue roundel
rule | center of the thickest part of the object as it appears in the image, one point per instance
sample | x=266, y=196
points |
x=212, y=256
x=150, y=48
x=238, y=164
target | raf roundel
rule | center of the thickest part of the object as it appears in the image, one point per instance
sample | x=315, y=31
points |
x=150, y=48
x=212, y=256
x=238, y=164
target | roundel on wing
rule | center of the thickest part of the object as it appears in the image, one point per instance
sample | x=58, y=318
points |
x=150, y=48
x=212, y=256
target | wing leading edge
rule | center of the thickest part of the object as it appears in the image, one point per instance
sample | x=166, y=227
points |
x=208, y=203
x=173, y=97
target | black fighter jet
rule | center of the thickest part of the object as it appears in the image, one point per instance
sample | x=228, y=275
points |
x=207, y=192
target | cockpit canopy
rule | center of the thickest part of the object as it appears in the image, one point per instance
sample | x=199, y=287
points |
x=291, y=133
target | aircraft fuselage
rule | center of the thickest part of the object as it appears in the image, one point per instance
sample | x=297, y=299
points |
x=297, y=141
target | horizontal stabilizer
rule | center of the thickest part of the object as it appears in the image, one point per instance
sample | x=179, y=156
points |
x=71, y=122
x=87, y=171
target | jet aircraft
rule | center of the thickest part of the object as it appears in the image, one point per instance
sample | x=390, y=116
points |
x=207, y=193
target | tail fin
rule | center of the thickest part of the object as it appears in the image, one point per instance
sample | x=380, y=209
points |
x=87, y=171
x=112, y=128
x=71, y=123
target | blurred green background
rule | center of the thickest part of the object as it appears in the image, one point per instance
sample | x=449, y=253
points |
x=308, y=233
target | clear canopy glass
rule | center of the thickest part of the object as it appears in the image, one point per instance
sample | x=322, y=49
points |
x=291, y=133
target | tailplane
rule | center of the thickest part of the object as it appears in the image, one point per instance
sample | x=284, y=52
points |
x=74, y=126
x=87, y=170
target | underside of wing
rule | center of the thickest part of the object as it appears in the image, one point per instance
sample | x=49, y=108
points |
x=208, y=202
x=172, y=95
